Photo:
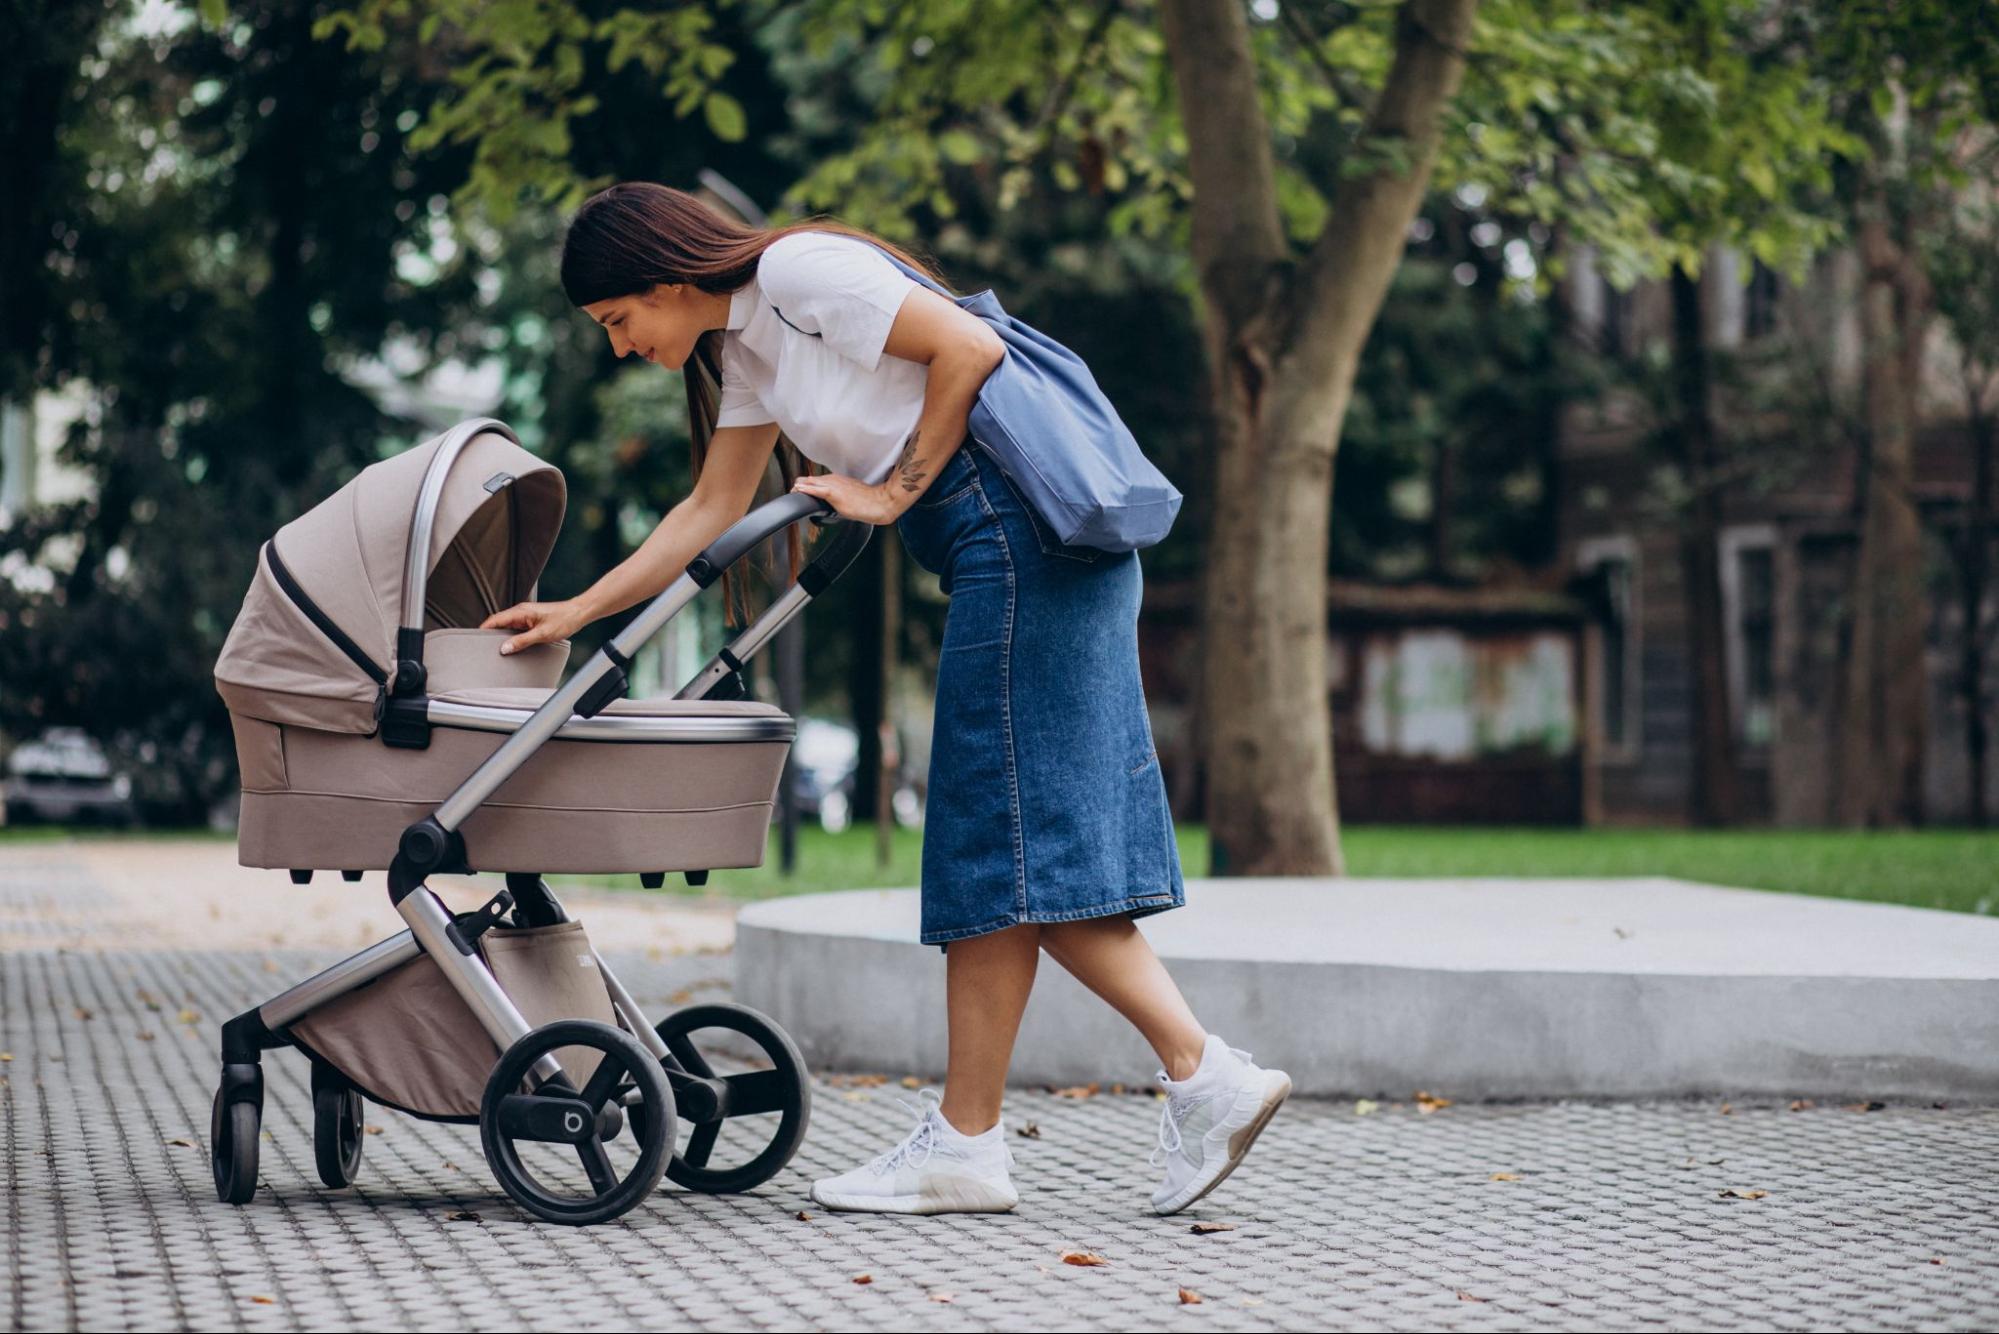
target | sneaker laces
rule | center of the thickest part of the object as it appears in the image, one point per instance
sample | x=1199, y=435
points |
x=918, y=1146
x=1176, y=1109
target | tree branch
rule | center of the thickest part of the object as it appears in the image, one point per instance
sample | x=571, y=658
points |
x=1238, y=235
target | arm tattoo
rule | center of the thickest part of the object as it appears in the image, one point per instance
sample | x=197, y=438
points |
x=907, y=468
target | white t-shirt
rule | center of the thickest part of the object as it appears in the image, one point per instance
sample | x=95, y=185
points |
x=817, y=369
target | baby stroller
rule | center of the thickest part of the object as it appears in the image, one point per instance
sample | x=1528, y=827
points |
x=378, y=728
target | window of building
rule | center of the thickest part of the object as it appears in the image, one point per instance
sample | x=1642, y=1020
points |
x=1748, y=599
x=1616, y=331
x=1615, y=561
x=1759, y=313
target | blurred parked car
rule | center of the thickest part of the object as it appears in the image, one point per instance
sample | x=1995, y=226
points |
x=824, y=760
x=63, y=775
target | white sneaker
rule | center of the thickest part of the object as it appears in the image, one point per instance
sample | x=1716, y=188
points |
x=935, y=1170
x=1209, y=1121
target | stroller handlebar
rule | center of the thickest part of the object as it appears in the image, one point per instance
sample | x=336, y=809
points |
x=602, y=678
x=766, y=520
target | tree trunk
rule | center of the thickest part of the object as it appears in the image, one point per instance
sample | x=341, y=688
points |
x=1283, y=339
x=1714, y=799
x=1883, y=698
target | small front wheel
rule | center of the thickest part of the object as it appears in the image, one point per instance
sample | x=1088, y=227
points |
x=337, y=1128
x=559, y=1150
x=233, y=1128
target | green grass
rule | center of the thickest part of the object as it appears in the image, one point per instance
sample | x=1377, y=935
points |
x=1956, y=869
x=1948, y=868
x=1952, y=869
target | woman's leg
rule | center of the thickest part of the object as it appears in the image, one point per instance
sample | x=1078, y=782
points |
x=1110, y=957
x=987, y=979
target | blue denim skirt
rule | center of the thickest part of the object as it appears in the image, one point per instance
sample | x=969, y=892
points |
x=1046, y=802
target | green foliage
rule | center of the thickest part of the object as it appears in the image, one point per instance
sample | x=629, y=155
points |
x=1647, y=131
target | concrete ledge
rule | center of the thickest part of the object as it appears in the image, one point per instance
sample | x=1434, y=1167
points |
x=1497, y=988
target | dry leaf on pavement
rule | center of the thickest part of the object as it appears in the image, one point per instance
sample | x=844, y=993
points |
x=1087, y=1259
x=1365, y=1107
x=1189, y=1297
x=864, y=1279
x=1504, y=1176
x=1032, y=1130
x=1430, y=1102
x=1203, y=1229
x=1738, y=1193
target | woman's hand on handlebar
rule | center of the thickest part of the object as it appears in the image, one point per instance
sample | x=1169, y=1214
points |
x=543, y=622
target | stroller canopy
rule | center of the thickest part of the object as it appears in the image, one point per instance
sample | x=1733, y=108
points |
x=315, y=643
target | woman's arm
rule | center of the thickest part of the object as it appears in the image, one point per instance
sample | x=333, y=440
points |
x=722, y=494
x=961, y=350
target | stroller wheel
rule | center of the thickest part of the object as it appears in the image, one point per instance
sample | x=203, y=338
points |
x=758, y=1092
x=233, y=1128
x=558, y=1151
x=337, y=1130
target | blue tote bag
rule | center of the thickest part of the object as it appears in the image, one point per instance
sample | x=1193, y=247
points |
x=1049, y=427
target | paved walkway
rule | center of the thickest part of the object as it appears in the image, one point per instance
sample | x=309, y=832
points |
x=1535, y=1216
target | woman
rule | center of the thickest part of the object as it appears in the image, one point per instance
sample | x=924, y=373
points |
x=1047, y=827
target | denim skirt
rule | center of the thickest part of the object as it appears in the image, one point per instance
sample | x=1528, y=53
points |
x=1046, y=802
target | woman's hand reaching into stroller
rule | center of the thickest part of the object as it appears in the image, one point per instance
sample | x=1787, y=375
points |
x=544, y=623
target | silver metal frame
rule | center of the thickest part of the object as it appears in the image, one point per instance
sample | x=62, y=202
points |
x=416, y=565
x=429, y=921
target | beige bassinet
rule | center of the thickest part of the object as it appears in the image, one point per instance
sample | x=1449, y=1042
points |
x=355, y=715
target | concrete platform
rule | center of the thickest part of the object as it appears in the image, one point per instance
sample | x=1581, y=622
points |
x=1474, y=988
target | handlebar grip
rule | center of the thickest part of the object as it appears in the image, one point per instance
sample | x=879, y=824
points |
x=765, y=520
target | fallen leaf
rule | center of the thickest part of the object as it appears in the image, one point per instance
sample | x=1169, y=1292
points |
x=373, y=1130
x=1086, y=1259
x=943, y=1297
x=1802, y=1104
x=1077, y=1091
x=1728, y=1109
x=270, y=965
x=181, y=1143
x=261, y=1300
x=1865, y=1106
x=1032, y=1130
x=1736, y=1192
x=1430, y=1102
x=802, y=1216
x=1365, y=1107
x=189, y=1017
x=911, y=1082
x=462, y=1216
x=864, y=1279
x=84, y=1014
x=1203, y=1229
x=1467, y=1297
x=1936, y=1259
x=680, y=997
x=1189, y=1297
x=145, y=998
x=144, y=1035
x=6, y=1055
x=1504, y=1176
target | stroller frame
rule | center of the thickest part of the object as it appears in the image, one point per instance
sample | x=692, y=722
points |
x=677, y=1083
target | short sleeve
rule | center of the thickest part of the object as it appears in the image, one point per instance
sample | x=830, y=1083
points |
x=740, y=405
x=839, y=288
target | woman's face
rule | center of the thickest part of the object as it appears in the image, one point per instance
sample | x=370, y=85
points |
x=661, y=324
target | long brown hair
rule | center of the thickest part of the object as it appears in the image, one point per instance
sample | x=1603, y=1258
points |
x=635, y=234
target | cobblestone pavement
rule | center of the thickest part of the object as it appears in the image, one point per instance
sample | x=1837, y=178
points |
x=1879, y=1219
